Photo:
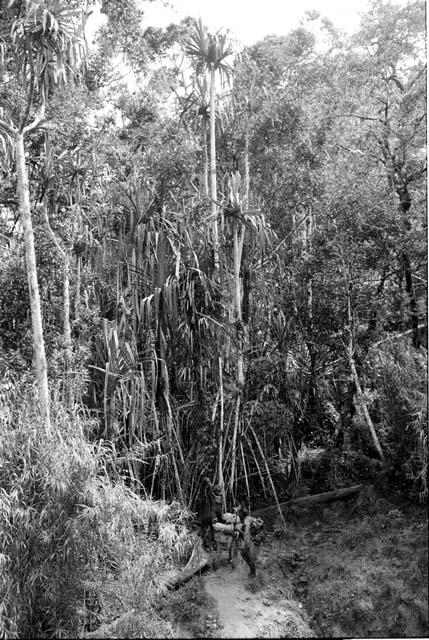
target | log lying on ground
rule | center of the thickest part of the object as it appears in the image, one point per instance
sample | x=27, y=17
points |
x=199, y=560
x=307, y=501
x=113, y=629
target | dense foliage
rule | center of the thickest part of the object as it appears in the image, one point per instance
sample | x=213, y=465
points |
x=231, y=260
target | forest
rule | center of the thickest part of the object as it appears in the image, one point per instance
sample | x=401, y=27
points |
x=213, y=265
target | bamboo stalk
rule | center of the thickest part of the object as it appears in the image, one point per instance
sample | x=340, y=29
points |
x=257, y=466
x=245, y=475
x=269, y=476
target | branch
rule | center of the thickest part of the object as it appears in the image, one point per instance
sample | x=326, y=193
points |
x=414, y=80
x=298, y=224
x=7, y=202
x=356, y=115
x=398, y=335
x=8, y=128
x=37, y=121
x=60, y=249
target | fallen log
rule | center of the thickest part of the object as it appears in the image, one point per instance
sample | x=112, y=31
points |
x=307, y=501
x=112, y=629
x=199, y=560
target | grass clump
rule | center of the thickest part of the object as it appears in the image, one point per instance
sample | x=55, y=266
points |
x=367, y=578
x=77, y=551
x=189, y=609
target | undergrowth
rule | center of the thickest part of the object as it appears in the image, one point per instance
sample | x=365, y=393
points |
x=77, y=550
x=188, y=608
x=365, y=576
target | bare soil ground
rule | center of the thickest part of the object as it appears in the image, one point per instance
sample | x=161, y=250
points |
x=246, y=613
x=333, y=573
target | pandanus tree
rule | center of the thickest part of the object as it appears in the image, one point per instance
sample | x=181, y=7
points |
x=195, y=110
x=210, y=52
x=44, y=49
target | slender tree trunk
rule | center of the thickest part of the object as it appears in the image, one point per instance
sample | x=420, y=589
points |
x=33, y=285
x=364, y=407
x=221, y=436
x=359, y=394
x=67, y=332
x=206, y=160
x=238, y=249
x=372, y=324
x=273, y=488
x=398, y=183
x=409, y=288
x=405, y=204
x=62, y=251
x=312, y=386
x=246, y=170
x=77, y=291
x=213, y=185
x=78, y=257
x=309, y=247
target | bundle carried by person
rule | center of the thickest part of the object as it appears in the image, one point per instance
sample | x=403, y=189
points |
x=245, y=527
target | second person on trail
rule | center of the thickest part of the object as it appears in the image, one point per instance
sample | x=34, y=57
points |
x=210, y=511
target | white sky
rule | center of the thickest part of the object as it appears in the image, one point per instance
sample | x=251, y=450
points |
x=251, y=20
x=248, y=20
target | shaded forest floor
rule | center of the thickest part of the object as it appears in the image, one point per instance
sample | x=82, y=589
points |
x=335, y=572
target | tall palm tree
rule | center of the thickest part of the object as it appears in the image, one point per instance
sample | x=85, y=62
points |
x=47, y=47
x=210, y=51
x=195, y=109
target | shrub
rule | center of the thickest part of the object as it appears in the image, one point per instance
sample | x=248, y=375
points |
x=401, y=380
x=77, y=550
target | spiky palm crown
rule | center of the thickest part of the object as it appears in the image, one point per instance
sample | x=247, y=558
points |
x=48, y=43
x=209, y=50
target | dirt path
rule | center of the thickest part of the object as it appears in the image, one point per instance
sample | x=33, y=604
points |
x=243, y=614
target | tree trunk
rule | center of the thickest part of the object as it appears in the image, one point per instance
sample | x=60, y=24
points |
x=399, y=184
x=77, y=291
x=405, y=201
x=33, y=285
x=246, y=171
x=64, y=256
x=309, y=246
x=273, y=489
x=238, y=249
x=355, y=378
x=312, y=383
x=213, y=185
x=364, y=408
x=206, y=160
x=67, y=332
x=221, y=437
x=372, y=324
x=409, y=288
